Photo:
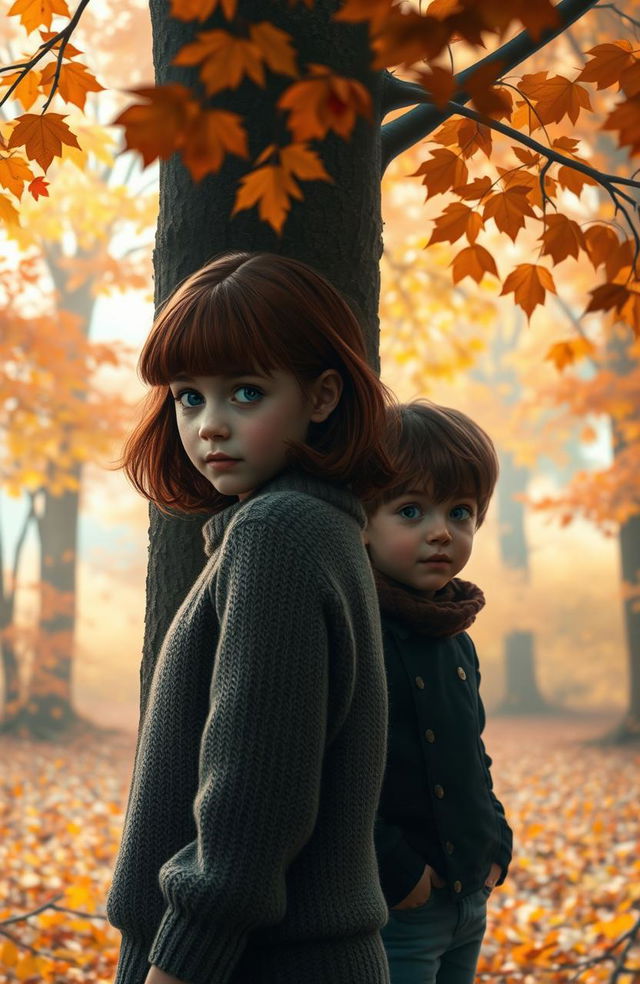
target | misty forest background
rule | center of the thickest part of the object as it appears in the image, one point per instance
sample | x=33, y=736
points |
x=557, y=557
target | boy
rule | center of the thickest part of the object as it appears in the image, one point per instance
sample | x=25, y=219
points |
x=442, y=838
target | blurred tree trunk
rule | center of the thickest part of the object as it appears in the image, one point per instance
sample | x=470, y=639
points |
x=522, y=695
x=336, y=229
x=621, y=362
x=45, y=709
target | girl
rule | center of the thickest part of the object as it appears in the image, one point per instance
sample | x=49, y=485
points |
x=247, y=854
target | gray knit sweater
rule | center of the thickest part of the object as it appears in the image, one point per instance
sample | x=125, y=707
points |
x=247, y=854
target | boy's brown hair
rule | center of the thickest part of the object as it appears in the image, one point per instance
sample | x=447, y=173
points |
x=439, y=449
x=257, y=312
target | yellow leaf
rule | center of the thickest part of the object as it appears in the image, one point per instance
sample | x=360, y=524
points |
x=14, y=174
x=38, y=13
x=27, y=90
x=8, y=212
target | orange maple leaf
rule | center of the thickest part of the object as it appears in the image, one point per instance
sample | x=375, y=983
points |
x=536, y=17
x=608, y=63
x=573, y=180
x=473, y=261
x=457, y=220
x=475, y=190
x=529, y=284
x=608, y=297
x=563, y=354
x=42, y=136
x=554, y=98
x=406, y=38
x=14, y=173
x=487, y=98
x=324, y=102
x=188, y=10
x=38, y=13
x=509, y=210
x=600, y=242
x=38, y=187
x=303, y=162
x=276, y=48
x=562, y=237
x=273, y=186
x=157, y=128
x=210, y=136
x=74, y=83
x=225, y=60
x=444, y=170
x=626, y=118
x=440, y=84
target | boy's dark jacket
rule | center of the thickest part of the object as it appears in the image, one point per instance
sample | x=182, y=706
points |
x=437, y=805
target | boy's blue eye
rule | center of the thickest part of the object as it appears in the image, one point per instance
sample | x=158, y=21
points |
x=410, y=512
x=461, y=512
x=248, y=394
x=189, y=399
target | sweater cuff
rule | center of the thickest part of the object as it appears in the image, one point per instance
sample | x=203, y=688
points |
x=400, y=872
x=197, y=951
x=503, y=858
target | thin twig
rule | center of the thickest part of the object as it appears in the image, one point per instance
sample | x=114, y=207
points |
x=25, y=67
x=34, y=912
x=620, y=13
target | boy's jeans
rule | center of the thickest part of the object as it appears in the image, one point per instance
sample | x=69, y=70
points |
x=439, y=942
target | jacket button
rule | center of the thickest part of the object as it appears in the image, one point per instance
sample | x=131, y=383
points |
x=439, y=791
x=449, y=848
x=430, y=736
x=461, y=673
x=457, y=886
x=419, y=683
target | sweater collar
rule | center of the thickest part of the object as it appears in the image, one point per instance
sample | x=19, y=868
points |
x=453, y=609
x=290, y=480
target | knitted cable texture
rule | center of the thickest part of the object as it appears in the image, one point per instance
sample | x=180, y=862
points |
x=247, y=854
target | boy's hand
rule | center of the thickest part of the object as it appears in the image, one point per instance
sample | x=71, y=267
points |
x=420, y=893
x=157, y=976
x=494, y=873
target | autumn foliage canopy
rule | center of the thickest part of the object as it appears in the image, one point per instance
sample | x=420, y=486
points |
x=533, y=118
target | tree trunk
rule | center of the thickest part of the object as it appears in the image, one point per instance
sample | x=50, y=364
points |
x=45, y=709
x=336, y=229
x=522, y=695
x=621, y=362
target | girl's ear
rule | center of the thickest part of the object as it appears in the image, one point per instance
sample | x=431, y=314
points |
x=325, y=394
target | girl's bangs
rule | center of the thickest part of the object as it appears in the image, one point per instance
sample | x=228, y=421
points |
x=208, y=336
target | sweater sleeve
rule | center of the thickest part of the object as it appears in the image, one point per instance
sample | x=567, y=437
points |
x=260, y=758
x=506, y=834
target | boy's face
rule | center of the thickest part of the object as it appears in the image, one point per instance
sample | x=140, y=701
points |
x=420, y=542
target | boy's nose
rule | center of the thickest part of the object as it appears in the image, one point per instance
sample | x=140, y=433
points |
x=439, y=534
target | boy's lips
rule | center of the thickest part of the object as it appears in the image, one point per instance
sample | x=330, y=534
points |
x=436, y=559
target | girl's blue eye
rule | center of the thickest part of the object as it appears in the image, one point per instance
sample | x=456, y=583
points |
x=189, y=399
x=248, y=394
x=461, y=512
x=410, y=512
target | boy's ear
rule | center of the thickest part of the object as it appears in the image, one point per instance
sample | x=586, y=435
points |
x=325, y=394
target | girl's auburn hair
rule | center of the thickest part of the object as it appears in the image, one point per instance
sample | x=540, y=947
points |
x=257, y=312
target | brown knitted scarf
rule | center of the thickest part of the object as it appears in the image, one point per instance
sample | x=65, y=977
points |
x=452, y=610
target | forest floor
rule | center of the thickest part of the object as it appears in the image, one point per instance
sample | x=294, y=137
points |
x=566, y=913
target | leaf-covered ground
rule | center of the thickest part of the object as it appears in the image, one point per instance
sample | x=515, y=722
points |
x=574, y=888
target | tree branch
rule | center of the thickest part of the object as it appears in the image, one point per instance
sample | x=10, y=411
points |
x=25, y=67
x=400, y=134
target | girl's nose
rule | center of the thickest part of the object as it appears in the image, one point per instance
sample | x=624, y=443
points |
x=214, y=427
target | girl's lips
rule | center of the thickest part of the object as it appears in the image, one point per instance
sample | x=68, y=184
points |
x=221, y=464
